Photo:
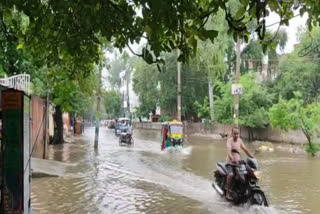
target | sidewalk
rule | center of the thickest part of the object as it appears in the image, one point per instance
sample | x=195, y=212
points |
x=48, y=168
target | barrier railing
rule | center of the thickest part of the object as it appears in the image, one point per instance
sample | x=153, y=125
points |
x=18, y=82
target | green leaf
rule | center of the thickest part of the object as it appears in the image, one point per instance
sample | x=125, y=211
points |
x=20, y=46
x=284, y=21
x=193, y=42
x=211, y=34
x=302, y=11
x=240, y=12
x=244, y=2
x=180, y=58
x=147, y=56
x=273, y=4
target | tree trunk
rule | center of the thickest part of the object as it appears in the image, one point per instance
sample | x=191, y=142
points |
x=308, y=136
x=250, y=134
x=58, y=128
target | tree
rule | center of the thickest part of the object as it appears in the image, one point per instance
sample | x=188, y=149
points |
x=160, y=88
x=116, y=66
x=55, y=72
x=203, y=110
x=213, y=61
x=71, y=96
x=68, y=94
x=300, y=70
x=292, y=114
x=147, y=91
x=112, y=104
x=254, y=105
x=76, y=28
x=254, y=51
x=13, y=60
x=310, y=43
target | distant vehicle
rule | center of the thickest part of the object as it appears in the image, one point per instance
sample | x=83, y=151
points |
x=111, y=124
x=172, y=134
x=121, y=124
x=125, y=137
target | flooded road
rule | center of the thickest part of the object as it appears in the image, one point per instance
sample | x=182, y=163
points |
x=142, y=179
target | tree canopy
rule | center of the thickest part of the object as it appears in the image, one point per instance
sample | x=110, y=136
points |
x=254, y=104
x=58, y=29
x=112, y=104
x=299, y=71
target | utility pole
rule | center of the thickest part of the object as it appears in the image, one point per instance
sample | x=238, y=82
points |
x=210, y=87
x=96, y=136
x=237, y=78
x=179, y=87
x=46, y=123
x=46, y=120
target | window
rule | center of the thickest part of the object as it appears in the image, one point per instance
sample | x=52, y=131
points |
x=176, y=129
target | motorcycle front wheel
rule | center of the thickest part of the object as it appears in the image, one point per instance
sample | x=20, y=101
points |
x=258, y=198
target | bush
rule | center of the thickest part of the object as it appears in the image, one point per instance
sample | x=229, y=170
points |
x=165, y=118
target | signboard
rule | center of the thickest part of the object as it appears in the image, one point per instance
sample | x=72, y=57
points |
x=14, y=153
x=236, y=89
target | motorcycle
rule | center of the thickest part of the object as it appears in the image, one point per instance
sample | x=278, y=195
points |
x=125, y=138
x=244, y=187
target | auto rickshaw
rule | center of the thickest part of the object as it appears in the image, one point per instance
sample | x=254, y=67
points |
x=172, y=134
x=120, y=125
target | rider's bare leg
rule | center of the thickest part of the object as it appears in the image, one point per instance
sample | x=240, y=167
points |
x=229, y=182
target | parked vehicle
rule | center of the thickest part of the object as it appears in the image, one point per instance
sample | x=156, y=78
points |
x=244, y=187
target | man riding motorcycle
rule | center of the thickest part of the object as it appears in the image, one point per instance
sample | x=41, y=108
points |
x=234, y=143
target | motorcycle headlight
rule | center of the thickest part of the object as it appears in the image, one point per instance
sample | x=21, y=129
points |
x=257, y=174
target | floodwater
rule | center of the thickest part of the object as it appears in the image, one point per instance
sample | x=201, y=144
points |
x=142, y=179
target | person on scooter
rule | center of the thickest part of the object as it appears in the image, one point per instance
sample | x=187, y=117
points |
x=128, y=126
x=234, y=144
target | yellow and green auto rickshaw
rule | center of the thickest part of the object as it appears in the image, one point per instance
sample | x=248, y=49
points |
x=172, y=134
